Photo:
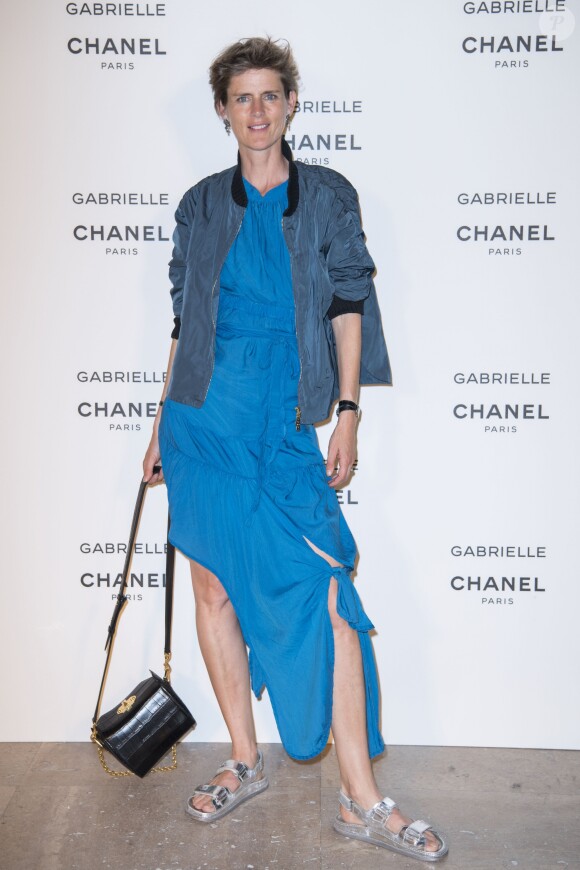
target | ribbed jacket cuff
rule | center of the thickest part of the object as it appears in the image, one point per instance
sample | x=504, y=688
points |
x=345, y=306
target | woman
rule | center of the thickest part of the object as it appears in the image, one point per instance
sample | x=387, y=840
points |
x=271, y=278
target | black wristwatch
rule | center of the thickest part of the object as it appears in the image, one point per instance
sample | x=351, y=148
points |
x=347, y=405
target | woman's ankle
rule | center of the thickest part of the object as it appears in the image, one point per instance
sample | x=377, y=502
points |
x=365, y=796
x=246, y=752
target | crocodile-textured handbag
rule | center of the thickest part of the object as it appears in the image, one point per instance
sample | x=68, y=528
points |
x=151, y=719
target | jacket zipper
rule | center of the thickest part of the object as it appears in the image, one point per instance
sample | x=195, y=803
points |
x=298, y=410
x=211, y=303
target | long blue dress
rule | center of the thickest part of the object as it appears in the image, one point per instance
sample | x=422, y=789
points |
x=246, y=488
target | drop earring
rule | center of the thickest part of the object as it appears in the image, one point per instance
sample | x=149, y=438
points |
x=287, y=122
x=228, y=126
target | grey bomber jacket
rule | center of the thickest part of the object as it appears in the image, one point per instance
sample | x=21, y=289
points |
x=331, y=273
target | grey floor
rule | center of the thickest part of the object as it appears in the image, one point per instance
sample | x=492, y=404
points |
x=500, y=808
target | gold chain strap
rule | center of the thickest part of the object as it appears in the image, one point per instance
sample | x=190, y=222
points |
x=118, y=773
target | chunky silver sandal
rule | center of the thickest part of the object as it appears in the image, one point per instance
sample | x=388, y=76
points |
x=408, y=841
x=252, y=782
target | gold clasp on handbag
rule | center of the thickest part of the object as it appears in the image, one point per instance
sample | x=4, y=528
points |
x=126, y=704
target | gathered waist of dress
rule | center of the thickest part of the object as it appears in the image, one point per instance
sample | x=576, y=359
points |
x=246, y=317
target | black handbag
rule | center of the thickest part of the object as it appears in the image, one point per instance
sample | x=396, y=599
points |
x=143, y=727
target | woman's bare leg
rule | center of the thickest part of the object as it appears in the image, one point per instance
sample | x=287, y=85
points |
x=225, y=655
x=349, y=725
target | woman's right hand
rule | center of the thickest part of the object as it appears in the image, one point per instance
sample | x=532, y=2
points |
x=152, y=458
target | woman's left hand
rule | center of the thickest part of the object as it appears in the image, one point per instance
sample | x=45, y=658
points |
x=342, y=450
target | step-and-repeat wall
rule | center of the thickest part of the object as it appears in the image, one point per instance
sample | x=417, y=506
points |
x=458, y=124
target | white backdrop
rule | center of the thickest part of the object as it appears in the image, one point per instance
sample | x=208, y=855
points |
x=428, y=104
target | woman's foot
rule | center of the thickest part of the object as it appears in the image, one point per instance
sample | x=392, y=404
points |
x=394, y=823
x=227, y=778
x=234, y=782
x=383, y=824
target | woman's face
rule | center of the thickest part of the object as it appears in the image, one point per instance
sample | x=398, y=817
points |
x=257, y=108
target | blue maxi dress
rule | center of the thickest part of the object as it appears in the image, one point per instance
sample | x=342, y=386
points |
x=246, y=488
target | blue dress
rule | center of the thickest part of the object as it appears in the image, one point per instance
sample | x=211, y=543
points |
x=246, y=488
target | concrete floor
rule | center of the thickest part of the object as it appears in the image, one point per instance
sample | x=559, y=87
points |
x=500, y=808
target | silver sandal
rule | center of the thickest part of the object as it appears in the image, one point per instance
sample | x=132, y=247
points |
x=252, y=782
x=408, y=841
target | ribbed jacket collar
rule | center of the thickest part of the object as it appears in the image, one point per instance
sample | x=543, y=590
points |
x=239, y=191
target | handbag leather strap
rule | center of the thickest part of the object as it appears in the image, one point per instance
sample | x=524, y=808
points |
x=122, y=597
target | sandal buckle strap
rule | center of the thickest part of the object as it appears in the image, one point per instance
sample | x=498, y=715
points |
x=207, y=789
x=220, y=796
x=382, y=810
x=346, y=802
x=238, y=768
x=413, y=833
x=218, y=793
